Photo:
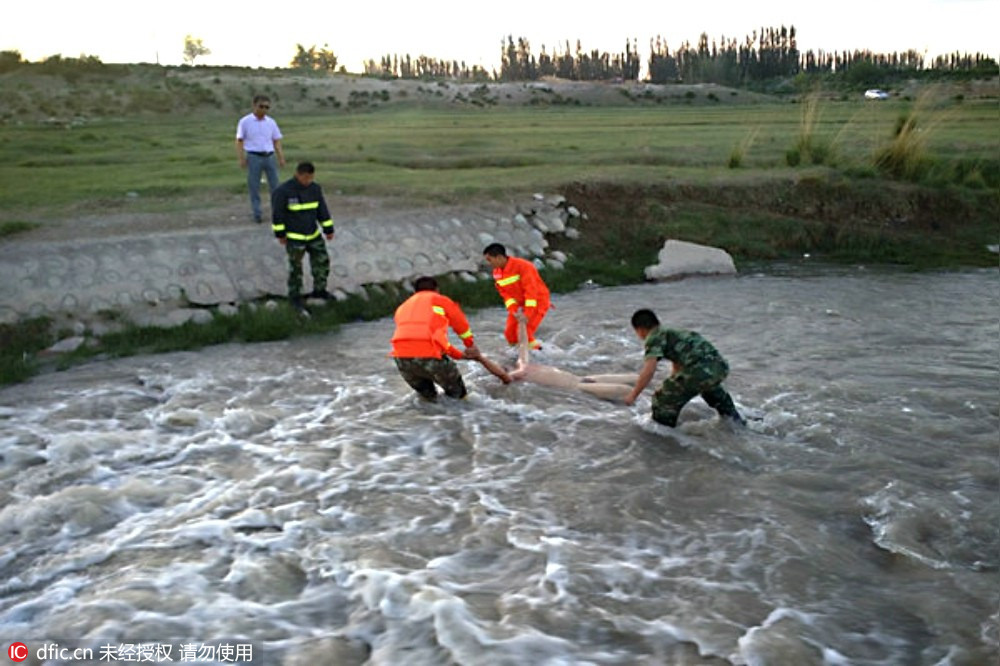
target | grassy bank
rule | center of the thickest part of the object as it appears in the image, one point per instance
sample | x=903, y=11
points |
x=623, y=230
x=185, y=163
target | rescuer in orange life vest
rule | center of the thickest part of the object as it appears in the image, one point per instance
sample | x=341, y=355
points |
x=420, y=343
x=523, y=292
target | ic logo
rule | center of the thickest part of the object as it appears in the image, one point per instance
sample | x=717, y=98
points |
x=17, y=652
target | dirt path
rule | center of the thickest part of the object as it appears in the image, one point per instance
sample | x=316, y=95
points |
x=212, y=216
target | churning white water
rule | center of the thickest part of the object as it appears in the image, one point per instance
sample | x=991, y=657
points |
x=296, y=500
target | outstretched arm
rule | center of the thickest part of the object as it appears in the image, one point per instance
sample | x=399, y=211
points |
x=494, y=369
x=645, y=376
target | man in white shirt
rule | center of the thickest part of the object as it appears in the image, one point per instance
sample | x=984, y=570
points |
x=258, y=141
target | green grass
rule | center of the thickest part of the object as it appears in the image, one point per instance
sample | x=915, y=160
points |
x=14, y=227
x=442, y=155
x=19, y=347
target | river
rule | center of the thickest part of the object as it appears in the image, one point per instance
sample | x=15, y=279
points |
x=297, y=498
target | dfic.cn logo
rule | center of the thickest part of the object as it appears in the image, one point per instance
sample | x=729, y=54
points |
x=17, y=652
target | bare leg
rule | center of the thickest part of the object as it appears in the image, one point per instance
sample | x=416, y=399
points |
x=626, y=379
x=612, y=392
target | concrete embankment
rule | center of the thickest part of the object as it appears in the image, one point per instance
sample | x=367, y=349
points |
x=171, y=278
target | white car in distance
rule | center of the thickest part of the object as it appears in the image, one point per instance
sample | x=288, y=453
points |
x=875, y=93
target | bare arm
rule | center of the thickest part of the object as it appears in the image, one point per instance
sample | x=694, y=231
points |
x=522, y=341
x=241, y=154
x=494, y=369
x=645, y=376
x=279, y=152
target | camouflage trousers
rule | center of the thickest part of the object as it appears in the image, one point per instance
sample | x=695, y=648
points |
x=678, y=389
x=423, y=373
x=319, y=264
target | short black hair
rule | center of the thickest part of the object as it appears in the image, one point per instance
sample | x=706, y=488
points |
x=645, y=319
x=257, y=99
x=305, y=167
x=495, y=250
x=425, y=283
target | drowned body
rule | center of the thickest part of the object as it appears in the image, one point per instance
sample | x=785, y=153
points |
x=606, y=387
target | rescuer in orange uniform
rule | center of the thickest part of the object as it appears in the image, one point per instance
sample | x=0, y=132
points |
x=523, y=292
x=420, y=344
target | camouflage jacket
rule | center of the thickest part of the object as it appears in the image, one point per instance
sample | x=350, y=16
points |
x=686, y=349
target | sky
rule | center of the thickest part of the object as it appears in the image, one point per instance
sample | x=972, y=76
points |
x=265, y=34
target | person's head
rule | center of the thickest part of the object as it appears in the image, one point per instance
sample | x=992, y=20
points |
x=425, y=283
x=495, y=255
x=644, y=321
x=261, y=105
x=305, y=172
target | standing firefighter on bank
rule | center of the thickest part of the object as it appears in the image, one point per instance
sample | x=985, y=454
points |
x=524, y=293
x=300, y=221
x=420, y=343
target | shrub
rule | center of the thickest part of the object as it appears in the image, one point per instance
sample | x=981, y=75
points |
x=18, y=346
x=808, y=146
x=740, y=150
x=16, y=227
x=904, y=157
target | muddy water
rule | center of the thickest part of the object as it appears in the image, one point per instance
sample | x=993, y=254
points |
x=297, y=498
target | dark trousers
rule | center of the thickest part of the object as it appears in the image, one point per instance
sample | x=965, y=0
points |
x=677, y=390
x=423, y=373
x=319, y=265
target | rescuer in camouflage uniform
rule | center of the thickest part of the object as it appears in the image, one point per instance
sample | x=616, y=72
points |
x=699, y=369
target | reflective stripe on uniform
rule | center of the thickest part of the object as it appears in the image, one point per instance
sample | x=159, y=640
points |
x=438, y=310
x=509, y=302
x=466, y=335
x=309, y=205
x=505, y=282
x=302, y=237
x=531, y=303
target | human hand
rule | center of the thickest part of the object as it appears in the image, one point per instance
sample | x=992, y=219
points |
x=472, y=353
x=521, y=317
x=283, y=240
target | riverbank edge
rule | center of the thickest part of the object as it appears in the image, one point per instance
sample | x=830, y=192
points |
x=820, y=216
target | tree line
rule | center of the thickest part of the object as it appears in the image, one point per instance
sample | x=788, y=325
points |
x=424, y=67
x=765, y=55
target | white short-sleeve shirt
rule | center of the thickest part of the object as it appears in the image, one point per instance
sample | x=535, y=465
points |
x=258, y=134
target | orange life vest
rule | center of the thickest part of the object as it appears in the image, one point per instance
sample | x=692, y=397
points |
x=422, y=327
